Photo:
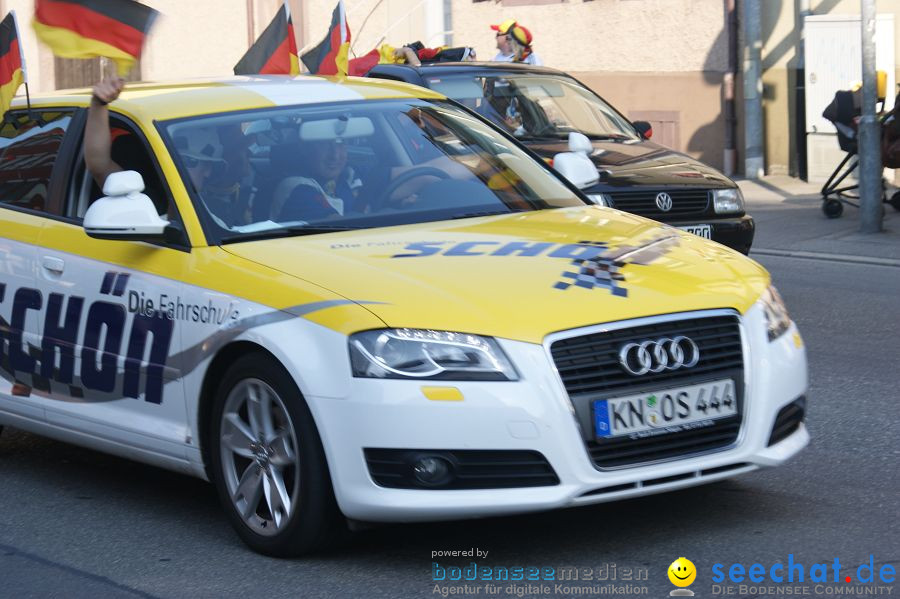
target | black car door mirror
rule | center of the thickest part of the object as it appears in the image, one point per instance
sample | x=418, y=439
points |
x=644, y=128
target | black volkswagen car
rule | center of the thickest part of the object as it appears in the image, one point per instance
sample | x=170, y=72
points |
x=553, y=113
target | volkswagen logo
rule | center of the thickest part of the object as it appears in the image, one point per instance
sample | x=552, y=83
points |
x=663, y=201
x=656, y=355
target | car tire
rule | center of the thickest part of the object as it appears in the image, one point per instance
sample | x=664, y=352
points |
x=833, y=208
x=268, y=464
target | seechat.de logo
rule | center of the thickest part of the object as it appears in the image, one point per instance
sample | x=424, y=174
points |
x=682, y=573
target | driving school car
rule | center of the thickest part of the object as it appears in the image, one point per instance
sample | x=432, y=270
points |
x=551, y=112
x=347, y=301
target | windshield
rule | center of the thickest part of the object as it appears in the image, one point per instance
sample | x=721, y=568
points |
x=534, y=107
x=350, y=165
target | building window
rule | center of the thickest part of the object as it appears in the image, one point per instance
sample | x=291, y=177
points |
x=75, y=72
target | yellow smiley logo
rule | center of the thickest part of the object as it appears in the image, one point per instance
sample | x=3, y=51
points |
x=682, y=572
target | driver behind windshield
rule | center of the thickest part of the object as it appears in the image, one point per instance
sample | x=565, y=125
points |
x=520, y=114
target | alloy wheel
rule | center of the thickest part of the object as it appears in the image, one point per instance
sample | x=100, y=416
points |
x=260, y=461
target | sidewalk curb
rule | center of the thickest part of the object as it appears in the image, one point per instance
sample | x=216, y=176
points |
x=869, y=261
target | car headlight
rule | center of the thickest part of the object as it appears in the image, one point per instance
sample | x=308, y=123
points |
x=423, y=354
x=726, y=201
x=601, y=199
x=777, y=318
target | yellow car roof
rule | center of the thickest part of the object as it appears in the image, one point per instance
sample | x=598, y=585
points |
x=171, y=100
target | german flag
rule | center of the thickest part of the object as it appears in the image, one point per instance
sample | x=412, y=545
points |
x=329, y=58
x=358, y=67
x=274, y=52
x=11, y=70
x=89, y=28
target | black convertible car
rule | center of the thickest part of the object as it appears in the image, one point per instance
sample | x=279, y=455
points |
x=543, y=108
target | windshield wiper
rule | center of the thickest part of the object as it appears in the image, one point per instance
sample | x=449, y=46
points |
x=545, y=137
x=484, y=213
x=609, y=136
x=295, y=231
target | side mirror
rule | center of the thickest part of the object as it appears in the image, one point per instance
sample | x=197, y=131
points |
x=125, y=212
x=644, y=128
x=575, y=165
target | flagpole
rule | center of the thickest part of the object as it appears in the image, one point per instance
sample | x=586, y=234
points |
x=366, y=20
x=22, y=60
x=398, y=21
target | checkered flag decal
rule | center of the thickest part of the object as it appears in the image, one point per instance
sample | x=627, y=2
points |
x=596, y=271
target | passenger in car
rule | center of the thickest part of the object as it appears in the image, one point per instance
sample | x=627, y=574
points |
x=97, y=136
x=109, y=149
x=227, y=191
x=327, y=188
x=104, y=155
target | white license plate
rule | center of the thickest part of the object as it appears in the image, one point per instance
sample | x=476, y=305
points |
x=665, y=411
x=704, y=231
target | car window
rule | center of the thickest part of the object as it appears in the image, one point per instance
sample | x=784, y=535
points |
x=306, y=169
x=537, y=106
x=28, y=150
x=131, y=152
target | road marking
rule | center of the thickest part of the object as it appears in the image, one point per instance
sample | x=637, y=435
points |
x=868, y=260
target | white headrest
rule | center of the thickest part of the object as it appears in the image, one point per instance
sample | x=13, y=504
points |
x=123, y=183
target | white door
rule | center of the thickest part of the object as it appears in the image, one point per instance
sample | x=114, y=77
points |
x=28, y=151
x=20, y=314
x=833, y=62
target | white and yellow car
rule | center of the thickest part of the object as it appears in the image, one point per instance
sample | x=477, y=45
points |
x=354, y=301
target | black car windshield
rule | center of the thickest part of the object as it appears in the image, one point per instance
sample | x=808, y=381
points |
x=311, y=169
x=534, y=107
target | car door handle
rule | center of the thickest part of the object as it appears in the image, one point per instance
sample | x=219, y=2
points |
x=54, y=265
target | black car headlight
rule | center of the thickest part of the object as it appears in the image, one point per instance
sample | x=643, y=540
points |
x=777, y=319
x=728, y=201
x=423, y=354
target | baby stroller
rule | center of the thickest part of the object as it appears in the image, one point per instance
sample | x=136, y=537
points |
x=843, y=112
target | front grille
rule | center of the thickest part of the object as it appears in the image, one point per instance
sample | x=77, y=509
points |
x=590, y=370
x=590, y=364
x=685, y=202
x=788, y=420
x=469, y=468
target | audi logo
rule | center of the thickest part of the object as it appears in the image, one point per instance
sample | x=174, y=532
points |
x=663, y=201
x=656, y=355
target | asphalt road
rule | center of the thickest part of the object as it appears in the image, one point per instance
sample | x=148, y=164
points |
x=75, y=523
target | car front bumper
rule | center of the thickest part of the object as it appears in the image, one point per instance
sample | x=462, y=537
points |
x=736, y=233
x=535, y=414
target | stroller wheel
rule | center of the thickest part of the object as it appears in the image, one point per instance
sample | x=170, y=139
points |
x=832, y=208
x=895, y=201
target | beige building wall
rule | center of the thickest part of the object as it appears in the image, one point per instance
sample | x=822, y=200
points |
x=782, y=52
x=206, y=38
x=615, y=46
x=649, y=58
x=659, y=60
